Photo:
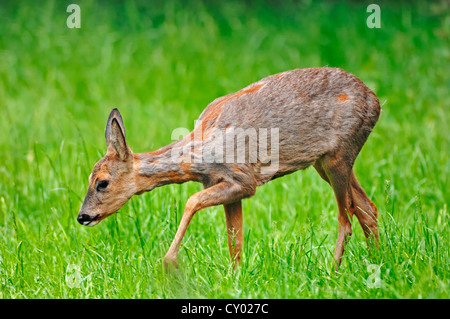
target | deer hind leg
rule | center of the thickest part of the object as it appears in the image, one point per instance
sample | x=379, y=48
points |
x=337, y=173
x=233, y=214
x=361, y=206
x=221, y=193
x=365, y=211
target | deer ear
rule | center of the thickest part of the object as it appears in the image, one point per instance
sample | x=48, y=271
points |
x=115, y=114
x=115, y=135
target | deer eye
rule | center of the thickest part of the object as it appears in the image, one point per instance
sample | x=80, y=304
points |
x=102, y=185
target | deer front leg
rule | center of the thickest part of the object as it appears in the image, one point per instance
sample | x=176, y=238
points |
x=221, y=193
x=233, y=214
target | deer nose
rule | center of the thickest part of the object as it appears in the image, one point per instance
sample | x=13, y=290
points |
x=85, y=219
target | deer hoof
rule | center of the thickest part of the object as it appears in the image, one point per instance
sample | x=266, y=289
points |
x=170, y=264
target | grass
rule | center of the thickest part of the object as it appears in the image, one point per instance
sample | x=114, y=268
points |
x=161, y=63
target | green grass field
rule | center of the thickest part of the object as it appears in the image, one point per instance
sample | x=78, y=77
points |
x=161, y=63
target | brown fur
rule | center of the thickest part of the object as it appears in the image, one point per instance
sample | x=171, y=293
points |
x=323, y=115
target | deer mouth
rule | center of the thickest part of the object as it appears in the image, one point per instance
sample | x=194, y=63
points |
x=87, y=220
x=94, y=221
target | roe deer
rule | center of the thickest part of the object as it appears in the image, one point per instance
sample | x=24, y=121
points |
x=318, y=116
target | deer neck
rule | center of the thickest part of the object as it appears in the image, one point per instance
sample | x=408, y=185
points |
x=162, y=167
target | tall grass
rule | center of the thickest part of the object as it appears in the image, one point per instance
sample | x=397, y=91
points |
x=161, y=63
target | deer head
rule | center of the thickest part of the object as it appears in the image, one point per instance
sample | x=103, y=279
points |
x=112, y=181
